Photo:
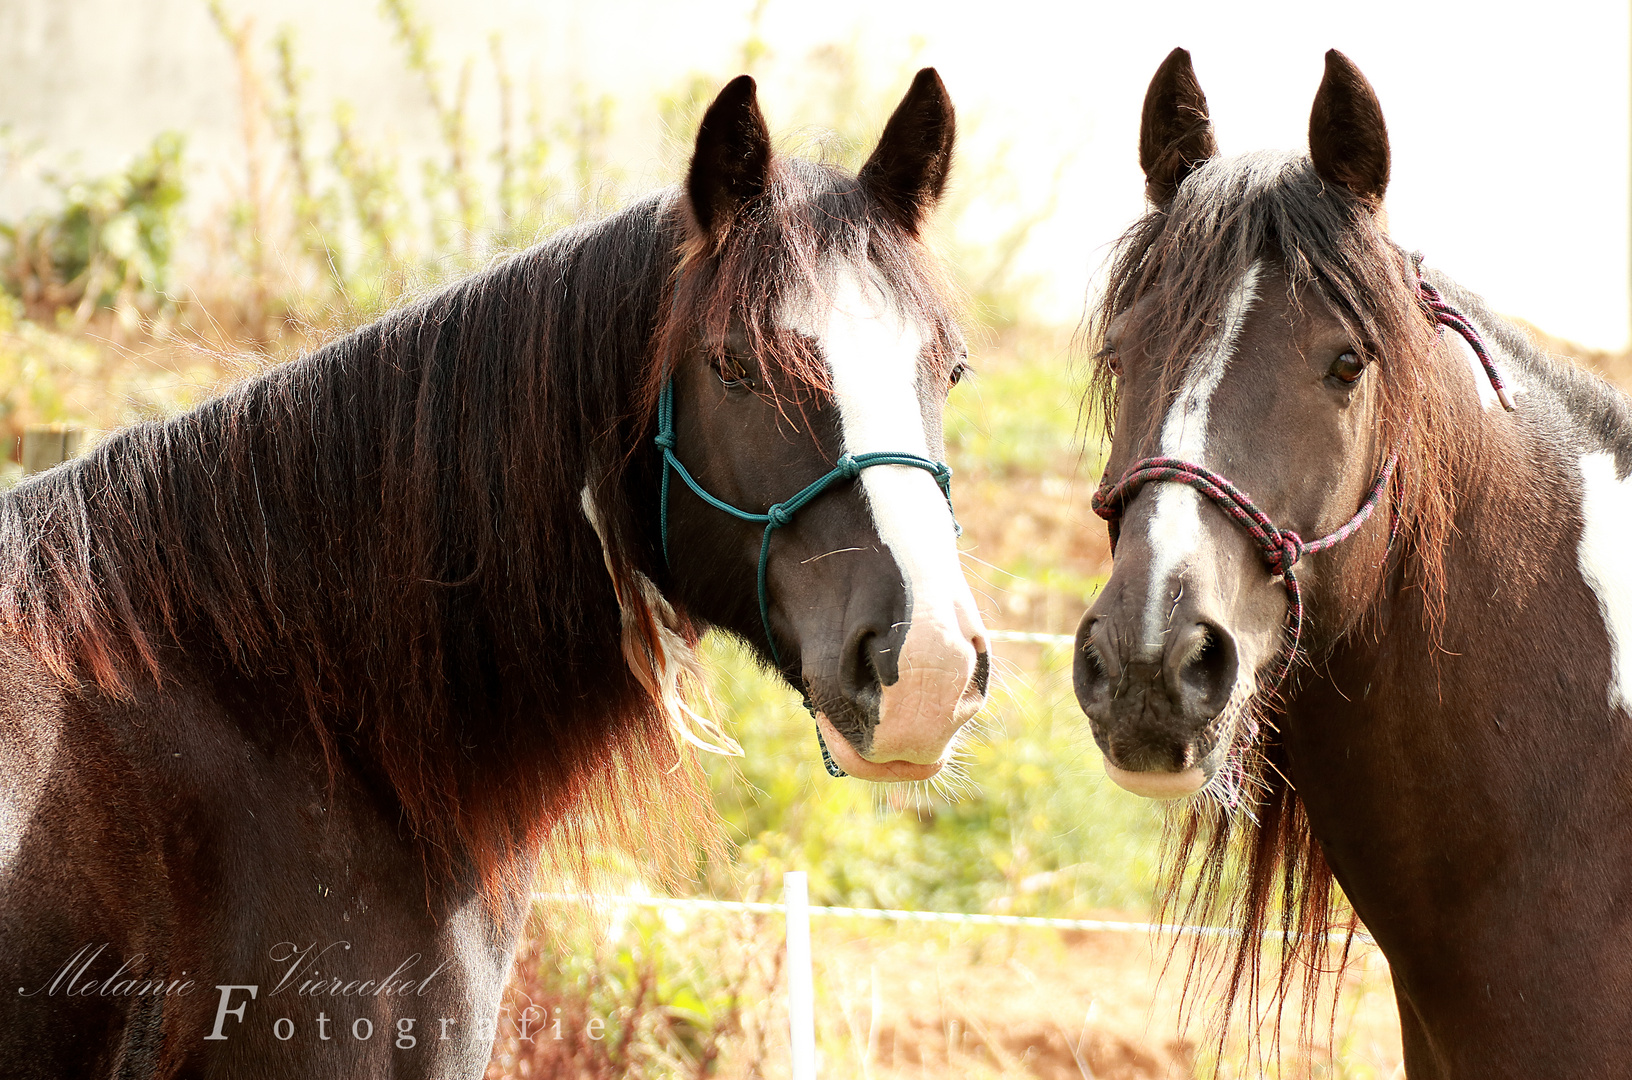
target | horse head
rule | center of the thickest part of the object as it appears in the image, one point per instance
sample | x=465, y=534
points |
x=1261, y=350
x=810, y=348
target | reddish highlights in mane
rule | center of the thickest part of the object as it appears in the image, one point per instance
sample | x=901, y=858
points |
x=1171, y=274
x=383, y=544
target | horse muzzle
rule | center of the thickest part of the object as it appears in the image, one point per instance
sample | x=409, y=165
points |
x=1158, y=709
x=907, y=696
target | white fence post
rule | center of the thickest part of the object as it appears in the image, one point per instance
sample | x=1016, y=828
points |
x=45, y=445
x=801, y=987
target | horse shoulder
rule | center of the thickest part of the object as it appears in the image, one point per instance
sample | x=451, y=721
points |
x=81, y=877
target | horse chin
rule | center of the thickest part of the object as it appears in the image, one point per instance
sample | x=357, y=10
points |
x=847, y=758
x=1159, y=785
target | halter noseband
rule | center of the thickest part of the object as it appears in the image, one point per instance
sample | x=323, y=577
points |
x=848, y=467
x=1282, y=548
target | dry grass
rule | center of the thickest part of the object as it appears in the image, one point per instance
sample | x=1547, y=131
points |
x=922, y=1003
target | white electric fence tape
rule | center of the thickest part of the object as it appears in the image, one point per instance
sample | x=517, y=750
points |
x=890, y=915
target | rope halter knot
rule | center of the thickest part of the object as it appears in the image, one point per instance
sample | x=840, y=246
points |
x=1289, y=551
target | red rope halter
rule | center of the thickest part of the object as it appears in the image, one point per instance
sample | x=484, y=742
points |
x=1281, y=548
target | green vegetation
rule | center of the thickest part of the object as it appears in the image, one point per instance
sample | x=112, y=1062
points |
x=107, y=246
x=1035, y=829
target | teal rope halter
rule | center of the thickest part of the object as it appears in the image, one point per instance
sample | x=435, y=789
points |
x=848, y=467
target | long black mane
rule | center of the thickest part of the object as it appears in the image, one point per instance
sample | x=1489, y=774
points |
x=388, y=538
x=384, y=536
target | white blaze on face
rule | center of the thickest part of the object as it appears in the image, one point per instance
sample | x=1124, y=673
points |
x=1606, y=522
x=1175, y=524
x=873, y=353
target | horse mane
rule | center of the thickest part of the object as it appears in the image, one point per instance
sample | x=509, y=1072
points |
x=1171, y=273
x=431, y=539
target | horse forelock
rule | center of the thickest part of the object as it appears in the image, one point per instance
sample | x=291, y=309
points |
x=1171, y=281
x=814, y=225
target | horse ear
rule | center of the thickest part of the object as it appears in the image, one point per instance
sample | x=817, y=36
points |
x=908, y=169
x=1175, y=132
x=1347, y=138
x=732, y=161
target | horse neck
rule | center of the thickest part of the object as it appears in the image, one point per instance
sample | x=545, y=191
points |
x=1517, y=476
x=1431, y=744
x=391, y=525
x=1516, y=488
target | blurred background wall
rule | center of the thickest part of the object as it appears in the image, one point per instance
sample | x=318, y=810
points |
x=1509, y=122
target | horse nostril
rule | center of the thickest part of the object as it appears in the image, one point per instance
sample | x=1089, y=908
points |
x=982, y=677
x=862, y=671
x=1090, y=674
x=1094, y=663
x=1206, y=669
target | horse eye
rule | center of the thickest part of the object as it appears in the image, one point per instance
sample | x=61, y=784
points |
x=1111, y=359
x=1347, y=368
x=958, y=372
x=733, y=372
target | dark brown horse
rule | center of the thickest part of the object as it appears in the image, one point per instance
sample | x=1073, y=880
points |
x=298, y=685
x=1452, y=740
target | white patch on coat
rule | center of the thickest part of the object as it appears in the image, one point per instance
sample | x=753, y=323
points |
x=1175, y=523
x=1481, y=381
x=1606, y=525
x=873, y=351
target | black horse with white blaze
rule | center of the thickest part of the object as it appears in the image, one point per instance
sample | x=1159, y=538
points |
x=297, y=686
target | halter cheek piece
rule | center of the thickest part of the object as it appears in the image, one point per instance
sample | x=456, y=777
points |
x=848, y=467
x=1282, y=548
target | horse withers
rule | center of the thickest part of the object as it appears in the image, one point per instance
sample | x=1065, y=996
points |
x=298, y=685
x=1371, y=598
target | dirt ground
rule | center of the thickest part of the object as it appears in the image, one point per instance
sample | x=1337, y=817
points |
x=925, y=1002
